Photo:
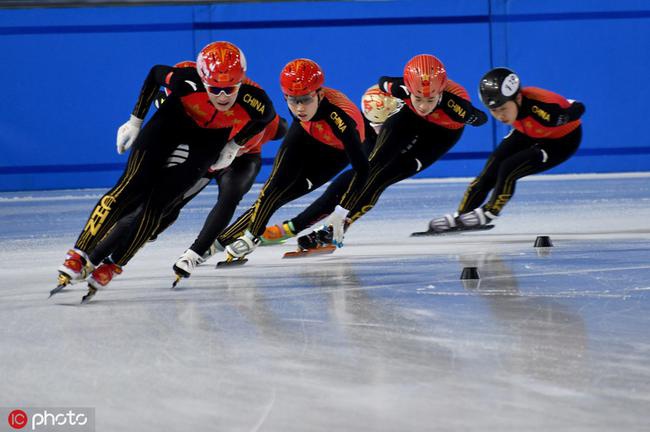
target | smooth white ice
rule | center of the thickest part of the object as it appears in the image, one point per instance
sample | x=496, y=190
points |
x=380, y=336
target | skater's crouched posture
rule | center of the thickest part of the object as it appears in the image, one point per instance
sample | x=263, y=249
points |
x=325, y=136
x=188, y=135
x=233, y=182
x=432, y=120
x=377, y=106
x=546, y=132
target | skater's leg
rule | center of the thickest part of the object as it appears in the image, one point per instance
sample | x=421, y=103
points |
x=480, y=187
x=542, y=156
x=233, y=183
x=302, y=165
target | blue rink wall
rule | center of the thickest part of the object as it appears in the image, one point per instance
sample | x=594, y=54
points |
x=72, y=76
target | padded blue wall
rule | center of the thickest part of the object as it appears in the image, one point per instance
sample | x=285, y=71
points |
x=71, y=76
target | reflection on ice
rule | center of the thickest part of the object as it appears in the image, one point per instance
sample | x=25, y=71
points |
x=382, y=335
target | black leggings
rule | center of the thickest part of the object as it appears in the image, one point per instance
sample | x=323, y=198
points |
x=406, y=145
x=233, y=183
x=301, y=165
x=325, y=204
x=169, y=155
x=517, y=156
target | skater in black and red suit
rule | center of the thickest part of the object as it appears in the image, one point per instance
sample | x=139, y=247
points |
x=376, y=106
x=546, y=131
x=326, y=135
x=431, y=122
x=233, y=182
x=211, y=113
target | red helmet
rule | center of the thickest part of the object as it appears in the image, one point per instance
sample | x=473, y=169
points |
x=185, y=64
x=300, y=77
x=425, y=75
x=221, y=64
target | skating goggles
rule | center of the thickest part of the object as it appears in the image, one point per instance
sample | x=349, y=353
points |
x=226, y=91
x=304, y=100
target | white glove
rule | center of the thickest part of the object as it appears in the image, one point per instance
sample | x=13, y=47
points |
x=228, y=154
x=127, y=133
x=337, y=220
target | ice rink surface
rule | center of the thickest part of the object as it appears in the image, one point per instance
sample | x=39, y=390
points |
x=379, y=336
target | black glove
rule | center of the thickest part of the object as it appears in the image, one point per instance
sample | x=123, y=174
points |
x=573, y=113
x=394, y=86
x=477, y=118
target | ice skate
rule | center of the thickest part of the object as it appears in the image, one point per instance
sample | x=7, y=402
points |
x=89, y=295
x=185, y=265
x=212, y=250
x=453, y=223
x=100, y=278
x=445, y=223
x=319, y=241
x=458, y=230
x=277, y=234
x=75, y=268
x=237, y=250
x=477, y=217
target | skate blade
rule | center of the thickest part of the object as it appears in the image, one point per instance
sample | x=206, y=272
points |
x=231, y=263
x=64, y=281
x=90, y=294
x=272, y=242
x=451, y=231
x=177, y=279
x=308, y=252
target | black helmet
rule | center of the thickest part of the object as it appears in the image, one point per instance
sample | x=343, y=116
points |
x=498, y=86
